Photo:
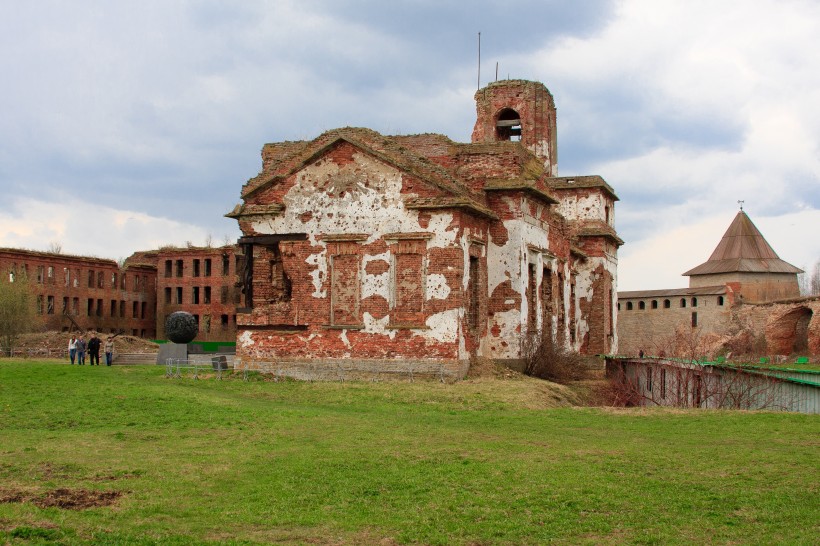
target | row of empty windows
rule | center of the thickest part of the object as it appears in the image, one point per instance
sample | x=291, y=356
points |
x=199, y=295
x=667, y=304
x=199, y=267
x=92, y=308
x=71, y=278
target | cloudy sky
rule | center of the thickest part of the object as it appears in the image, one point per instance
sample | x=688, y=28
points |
x=132, y=124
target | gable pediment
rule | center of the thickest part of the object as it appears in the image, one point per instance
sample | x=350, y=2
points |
x=302, y=164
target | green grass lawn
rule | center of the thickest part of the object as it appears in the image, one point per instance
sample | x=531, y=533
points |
x=187, y=461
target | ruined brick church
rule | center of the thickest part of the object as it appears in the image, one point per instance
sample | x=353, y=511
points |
x=387, y=252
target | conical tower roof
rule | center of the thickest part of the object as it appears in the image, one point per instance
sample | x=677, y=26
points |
x=743, y=249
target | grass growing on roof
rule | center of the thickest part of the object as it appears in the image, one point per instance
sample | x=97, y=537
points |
x=198, y=461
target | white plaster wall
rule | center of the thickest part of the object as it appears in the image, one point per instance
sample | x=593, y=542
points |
x=511, y=260
x=589, y=207
x=371, y=204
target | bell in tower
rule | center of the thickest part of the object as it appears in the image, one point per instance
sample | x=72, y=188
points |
x=519, y=111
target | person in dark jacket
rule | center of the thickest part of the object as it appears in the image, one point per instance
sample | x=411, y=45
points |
x=80, y=351
x=94, y=350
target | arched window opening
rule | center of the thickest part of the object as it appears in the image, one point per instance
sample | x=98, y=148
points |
x=654, y=304
x=641, y=306
x=694, y=302
x=683, y=302
x=508, y=126
x=720, y=300
x=629, y=306
x=667, y=304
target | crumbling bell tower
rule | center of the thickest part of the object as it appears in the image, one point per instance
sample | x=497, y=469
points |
x=518, y=110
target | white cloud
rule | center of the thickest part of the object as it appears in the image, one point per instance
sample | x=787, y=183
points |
x=659, y=260
x=85, y=228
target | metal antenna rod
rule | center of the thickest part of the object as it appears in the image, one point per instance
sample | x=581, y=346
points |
x=478, y=81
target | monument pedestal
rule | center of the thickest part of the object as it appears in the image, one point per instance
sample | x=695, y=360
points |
x=174, y=351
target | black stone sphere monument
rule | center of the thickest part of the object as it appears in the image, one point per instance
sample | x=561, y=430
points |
x=181, y=329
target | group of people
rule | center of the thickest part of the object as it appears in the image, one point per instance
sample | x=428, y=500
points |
x=78, y=347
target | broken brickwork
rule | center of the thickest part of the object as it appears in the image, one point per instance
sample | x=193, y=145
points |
x=83, y=293
x=376, y=250
x=204, y=282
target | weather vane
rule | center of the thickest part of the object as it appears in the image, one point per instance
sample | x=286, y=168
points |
x=740, y=202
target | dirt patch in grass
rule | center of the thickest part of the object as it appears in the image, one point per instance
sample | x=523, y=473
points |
x=68, y=499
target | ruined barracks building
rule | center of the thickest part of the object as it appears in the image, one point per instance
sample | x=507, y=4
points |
x=743, y=290
x=387, y=251
x=77, y=293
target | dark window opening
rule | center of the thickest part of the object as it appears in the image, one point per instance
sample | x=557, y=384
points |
x=196, y=268
x=279, y=279
x=226, y=264
x=168, y=268
x=694, y=302
x=143, y=307
x=207, y=267
x=224, y=320
x=100, y=280
x=135, y=309
x=508, y=126
x=207, y=295
x=663, y=382
x=99, y=308
x=179, y=295
x=195, y=295
x=167, y=294
x=641, y=305
x=180, y=268
x=654, y=304
x=694, y=319
x=90, y=309
x=683, y=302
x=113, y=308
x=122, y=308
x=546, y=298
x=629, y=306
x=224, y=294
x=667, y=304
x=65, y=305
x=50, y=303
x=90, y=279
x=720, y=300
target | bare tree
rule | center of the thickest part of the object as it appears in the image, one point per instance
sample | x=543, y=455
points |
x=17, y=312
x=814, y=280
x=547, y=359
x=55, y=247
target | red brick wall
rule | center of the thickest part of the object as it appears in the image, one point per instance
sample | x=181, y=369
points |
x=217, y=317
x=126, y=288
